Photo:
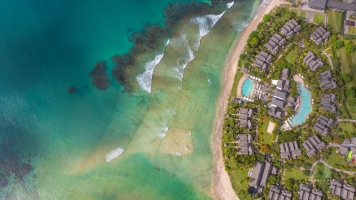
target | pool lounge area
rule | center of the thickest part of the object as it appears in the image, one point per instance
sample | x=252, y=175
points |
x=305, y=107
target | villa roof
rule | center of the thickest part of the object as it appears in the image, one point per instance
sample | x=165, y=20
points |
x=280, y=94
x=343, y=150
x=289, y=148
x=319, y=35
x=276, y=193
x=313, y=144
x=285, y=73
x=317, y=4
x=341, y=5
x=344, y=191
x=260, y=174
x=306, y=192
x=277, y=103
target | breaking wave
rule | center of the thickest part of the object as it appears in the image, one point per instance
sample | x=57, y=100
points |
x=113, y=154
x=145, y=79
x=203, y=24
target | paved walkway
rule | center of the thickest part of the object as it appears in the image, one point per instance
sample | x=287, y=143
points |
x=346, y=120
x=336, y=169
x=330, y=61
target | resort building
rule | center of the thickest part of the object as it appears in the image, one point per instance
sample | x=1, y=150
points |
x=259, y=176
x=245, y=144
x=275, y=113
x=347, y=146
x=319, y=35
x=275, y=193
x=262, y=60
x=274, y=43
x=293, y=102
x=285, y=74
x=326, y=80
x=288, y=149
x=305, y=192
x=311, y=60
x=283, y=85
x=323, y=124
x=290, y=28
x=278, y=103
x=331, y=4
x=312, y=145
x=328, y=102
x=344, y=191
x=244, y=117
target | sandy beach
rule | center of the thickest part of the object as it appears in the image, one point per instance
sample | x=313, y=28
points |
x=222, y=185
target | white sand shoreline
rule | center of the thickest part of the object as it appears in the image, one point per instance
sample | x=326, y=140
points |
x=222, y=185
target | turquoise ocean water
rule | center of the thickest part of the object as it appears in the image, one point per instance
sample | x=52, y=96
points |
x=53, y=144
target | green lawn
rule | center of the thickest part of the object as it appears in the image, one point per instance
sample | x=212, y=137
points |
x=352, y=30
x=339, y=20
x=321, y=172
x=319, y=18
x=290, y=56
x=344, y=114
x=294, y=10
x=335, y=20
x=353, y=58
x=303, y=13
x=296, y=174
x=346, y=126
x=345, y=65
x=352, y=111
x=238, y=179
x=238, y=76
x=266, y=137
x=336, y=158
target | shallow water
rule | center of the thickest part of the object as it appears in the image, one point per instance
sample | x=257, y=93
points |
x=166, y=128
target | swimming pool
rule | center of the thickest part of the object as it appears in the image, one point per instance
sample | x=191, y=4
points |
x=305, y=106
x=247, y=87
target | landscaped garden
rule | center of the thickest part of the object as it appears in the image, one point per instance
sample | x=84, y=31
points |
x=319, y=18
x=291, y=57
x=352, y=30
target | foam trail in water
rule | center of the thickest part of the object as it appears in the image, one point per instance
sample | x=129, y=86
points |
x=145, y=79
x=113, y=154
x=229, y=5
x=205, y=24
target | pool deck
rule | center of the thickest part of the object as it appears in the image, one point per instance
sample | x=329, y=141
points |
x=240, y=84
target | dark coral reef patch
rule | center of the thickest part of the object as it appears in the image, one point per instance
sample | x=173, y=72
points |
x=100, y=78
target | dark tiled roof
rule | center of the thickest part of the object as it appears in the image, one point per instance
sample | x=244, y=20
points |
x=317, y=4
x=313, y=144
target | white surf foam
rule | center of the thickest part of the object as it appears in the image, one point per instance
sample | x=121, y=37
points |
x=113, y=154
x=145, y=79
x=177, y=153
x=229, y=5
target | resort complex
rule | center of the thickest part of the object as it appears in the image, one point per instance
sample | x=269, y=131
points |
x=289, y=130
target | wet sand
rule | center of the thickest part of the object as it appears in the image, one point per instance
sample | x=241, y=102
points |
x=222, y=185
